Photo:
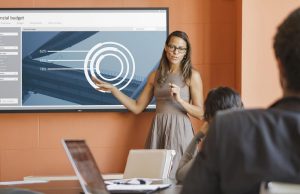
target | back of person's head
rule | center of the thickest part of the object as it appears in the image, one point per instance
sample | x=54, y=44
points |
x=287, y=50
x=221, y=98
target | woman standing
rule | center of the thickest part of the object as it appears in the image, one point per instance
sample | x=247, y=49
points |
x=178, y=92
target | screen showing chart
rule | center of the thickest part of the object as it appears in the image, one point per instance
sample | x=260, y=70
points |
x=49, y=56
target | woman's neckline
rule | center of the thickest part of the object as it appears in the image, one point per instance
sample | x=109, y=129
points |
x=174, y=72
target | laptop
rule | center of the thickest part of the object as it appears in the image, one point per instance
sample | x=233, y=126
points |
x=90, y=177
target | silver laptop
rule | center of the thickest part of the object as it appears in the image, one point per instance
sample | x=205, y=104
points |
x=89, y=175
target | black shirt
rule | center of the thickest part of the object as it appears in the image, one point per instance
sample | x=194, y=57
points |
x=245, y=147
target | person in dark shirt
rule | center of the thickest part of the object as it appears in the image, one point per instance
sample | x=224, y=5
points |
x=244, y=148
x=220, y=98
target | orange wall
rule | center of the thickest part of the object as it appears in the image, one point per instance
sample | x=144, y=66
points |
x=260, y=77
x=30, y=143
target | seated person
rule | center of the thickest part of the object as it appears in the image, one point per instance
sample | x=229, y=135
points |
x=220, y=98
x=244, y=148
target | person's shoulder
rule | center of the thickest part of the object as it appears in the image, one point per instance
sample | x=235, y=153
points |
x=240, y=113
x=152, y=76
x=153, y=73
x=237, y=119
x=196, y=77
x=195, y=73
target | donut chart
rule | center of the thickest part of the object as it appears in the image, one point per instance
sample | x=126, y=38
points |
x=125, y=64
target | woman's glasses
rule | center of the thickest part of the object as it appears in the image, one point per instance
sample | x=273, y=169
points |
x=173, y=48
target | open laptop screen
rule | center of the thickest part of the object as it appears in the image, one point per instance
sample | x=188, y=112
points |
x=85, y=166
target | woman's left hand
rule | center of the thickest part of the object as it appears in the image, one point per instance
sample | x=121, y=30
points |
x=175, y=91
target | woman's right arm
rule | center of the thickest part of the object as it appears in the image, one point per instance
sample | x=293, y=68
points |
x=186, y=161
x=135, y=106
x=188, y=156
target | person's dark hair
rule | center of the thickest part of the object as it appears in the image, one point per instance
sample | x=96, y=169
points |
x=186, y=66
x=221, y=98
x=287, y=49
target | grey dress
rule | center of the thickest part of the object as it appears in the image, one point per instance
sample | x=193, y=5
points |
x=171, y=127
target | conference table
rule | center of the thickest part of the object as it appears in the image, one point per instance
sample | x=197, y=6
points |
x=67, y=187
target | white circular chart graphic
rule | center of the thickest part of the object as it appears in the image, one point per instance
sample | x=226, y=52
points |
x=125, y=64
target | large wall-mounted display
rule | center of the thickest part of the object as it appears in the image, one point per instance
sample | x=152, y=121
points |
x=48, y=56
